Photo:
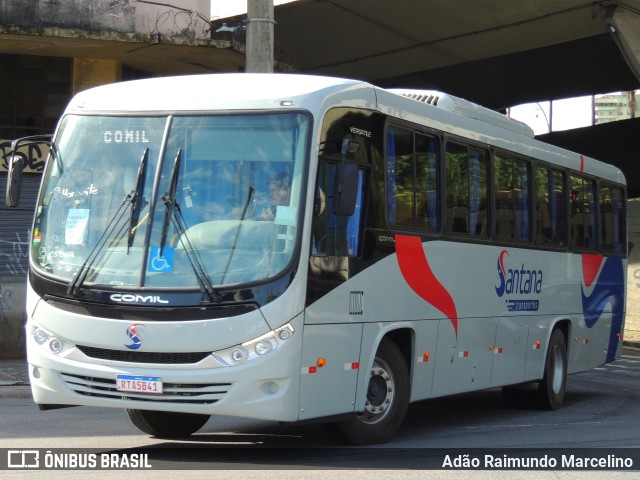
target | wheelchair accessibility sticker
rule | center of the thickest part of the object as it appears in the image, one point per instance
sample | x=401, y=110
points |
x=161, y=263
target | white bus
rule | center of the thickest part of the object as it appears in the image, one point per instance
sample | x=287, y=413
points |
x=290, y=248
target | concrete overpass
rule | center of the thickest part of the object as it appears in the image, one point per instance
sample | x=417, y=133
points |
x=497, y=52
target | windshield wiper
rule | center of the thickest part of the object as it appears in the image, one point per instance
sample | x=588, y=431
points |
x=137, y=200
x=250, y=193
x=131, y=198
x=169, y=200
x=174, y=214
x=76, y=283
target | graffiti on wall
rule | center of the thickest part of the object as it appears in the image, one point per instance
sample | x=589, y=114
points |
x=5, y=295
x=14, y=254
x=34, y=155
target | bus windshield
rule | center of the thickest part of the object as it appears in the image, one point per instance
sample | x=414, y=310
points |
x=171, y=201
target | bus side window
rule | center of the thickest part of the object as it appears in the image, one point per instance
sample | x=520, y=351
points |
x=412, y=179
x=335, y=235
x=466, y=189
x=511, y=177
x=612, y=217
x=551, y=211
x=583, y=213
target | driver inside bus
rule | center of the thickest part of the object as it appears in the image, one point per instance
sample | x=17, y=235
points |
x=279, y=194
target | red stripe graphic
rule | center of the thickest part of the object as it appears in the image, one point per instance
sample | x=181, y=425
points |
x=590, y=267
x=418, y=275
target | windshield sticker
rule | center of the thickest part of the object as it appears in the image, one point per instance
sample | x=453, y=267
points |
x=286, y=215
x=76, y=227
x=161, y=263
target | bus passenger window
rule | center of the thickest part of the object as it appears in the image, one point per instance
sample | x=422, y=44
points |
x=427, y=205
x=551, y=211
x=400, y=177
x=583, y=213
x=511, y=177
x=466, y=186
x=612, y=218
x=412, y=179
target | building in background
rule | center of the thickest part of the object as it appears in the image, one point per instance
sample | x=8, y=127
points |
x=616, y=106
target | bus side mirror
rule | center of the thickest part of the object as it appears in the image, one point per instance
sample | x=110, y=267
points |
x=14, y=180
x=346, y=190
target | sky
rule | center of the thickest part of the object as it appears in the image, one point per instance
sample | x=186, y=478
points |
x=229, y=8
x=567, y=114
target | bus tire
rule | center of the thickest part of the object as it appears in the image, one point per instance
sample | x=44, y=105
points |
x=552, y=386
x=167, y=424
x=386, y=404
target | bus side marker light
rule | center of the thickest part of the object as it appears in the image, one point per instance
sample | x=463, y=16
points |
x=308, y=370
x=576, y=339
x=321, y=362
x=537, y=345
x=352, y=366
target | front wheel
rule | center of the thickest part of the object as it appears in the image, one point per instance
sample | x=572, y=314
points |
x=552, y=386
x=386, y=404
x=167, y=424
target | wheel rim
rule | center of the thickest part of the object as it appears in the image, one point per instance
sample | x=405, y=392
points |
x=558, y=369
x=380, y=393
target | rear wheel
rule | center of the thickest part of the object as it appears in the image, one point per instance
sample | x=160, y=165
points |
x=552, y=386
x=167, y=424
x=386, y=404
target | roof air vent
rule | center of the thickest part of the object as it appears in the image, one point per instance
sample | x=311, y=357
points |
x=466, y=108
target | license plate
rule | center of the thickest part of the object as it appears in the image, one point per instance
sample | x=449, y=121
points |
x=138, y=384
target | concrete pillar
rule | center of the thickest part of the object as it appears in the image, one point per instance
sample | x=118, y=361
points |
x=91, y=72
x=624, y=26
x=260, y=34
x=632, y=321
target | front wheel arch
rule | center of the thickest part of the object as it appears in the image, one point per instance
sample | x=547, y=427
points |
x=388, y=393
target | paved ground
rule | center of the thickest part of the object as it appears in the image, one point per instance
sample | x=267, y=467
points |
x=14, y=379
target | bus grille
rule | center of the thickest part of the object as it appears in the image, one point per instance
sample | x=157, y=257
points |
x=194, y=393
x=144, y=357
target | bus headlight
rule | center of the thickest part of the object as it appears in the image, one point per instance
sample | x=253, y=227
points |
x=255, y=348
x=42, y=338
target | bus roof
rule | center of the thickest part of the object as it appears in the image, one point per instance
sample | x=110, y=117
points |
x=204, y=92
